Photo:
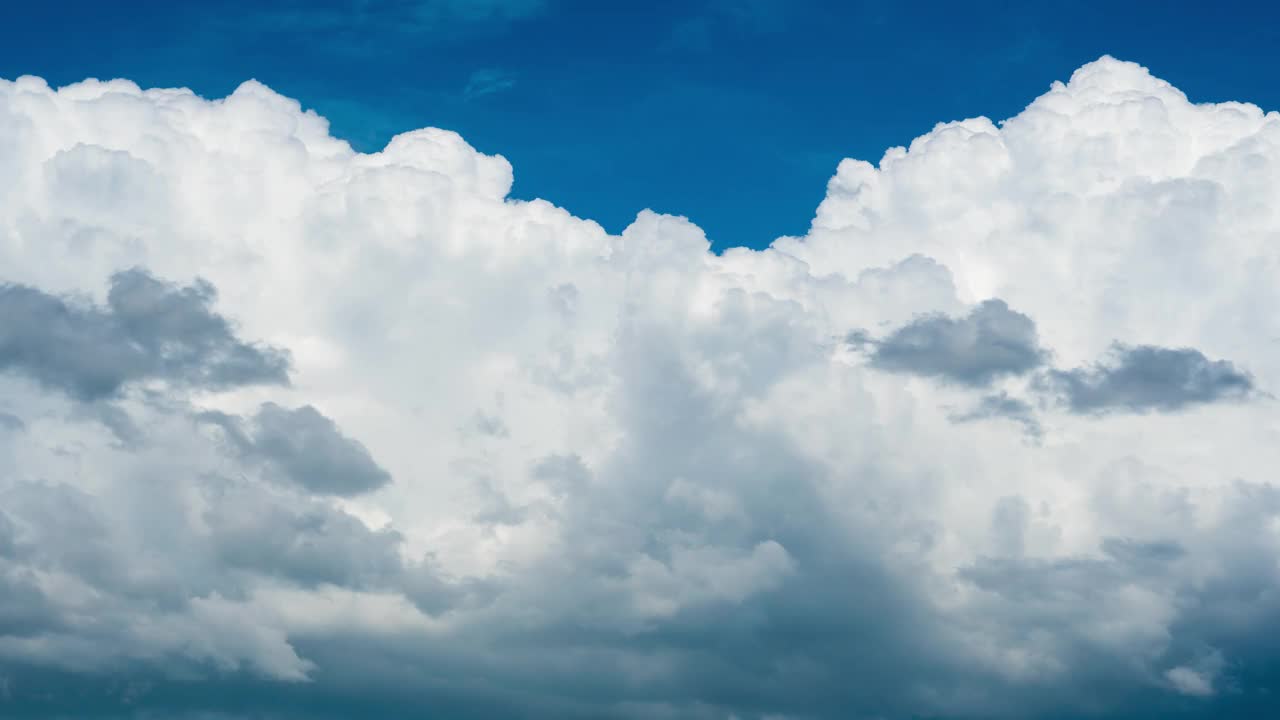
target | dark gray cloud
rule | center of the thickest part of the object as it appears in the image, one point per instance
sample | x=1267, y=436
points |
x=990, y=342
x=304, y=448
x=1146, y=378
x=148, y=330
x=312, y=452
x=994, y=341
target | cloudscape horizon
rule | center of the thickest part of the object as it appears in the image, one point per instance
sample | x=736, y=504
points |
x=290, y=430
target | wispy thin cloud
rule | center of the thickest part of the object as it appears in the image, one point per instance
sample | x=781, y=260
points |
x=487, y=81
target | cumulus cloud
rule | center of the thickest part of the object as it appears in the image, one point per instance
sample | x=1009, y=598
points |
x=428, y=445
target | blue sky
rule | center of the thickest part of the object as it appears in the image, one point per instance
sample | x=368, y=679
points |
x=731, y=112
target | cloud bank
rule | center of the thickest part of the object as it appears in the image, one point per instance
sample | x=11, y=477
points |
x=292, y=431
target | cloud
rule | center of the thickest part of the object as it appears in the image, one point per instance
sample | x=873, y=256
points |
x=990, y=342
x=633, y=478
x=1146, y=378
x=1198, y=679
x=1003, y=405
x=305, y=448
x=147, y=330
x=309, y=543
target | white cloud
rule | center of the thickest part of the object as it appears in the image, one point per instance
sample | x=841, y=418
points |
x=1190, y=682
x=627, y=473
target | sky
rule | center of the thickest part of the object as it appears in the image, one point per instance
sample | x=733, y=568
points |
x=600, y=105
x=322, y=398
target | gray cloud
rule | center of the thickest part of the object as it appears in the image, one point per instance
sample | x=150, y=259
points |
x=990, y=342
x=26, y=611
x=305, y=541
x=1083, y=610
x=1003, y=405
x=304, y=448
x=148, y=330
x=1145, y=378
x=148, y=570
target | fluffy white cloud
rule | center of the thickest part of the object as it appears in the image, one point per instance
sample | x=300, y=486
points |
x=520, y=466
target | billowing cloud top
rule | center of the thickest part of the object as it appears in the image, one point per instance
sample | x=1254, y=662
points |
x=293, y=431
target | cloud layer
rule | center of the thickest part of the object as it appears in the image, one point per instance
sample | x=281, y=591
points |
x=292, y=431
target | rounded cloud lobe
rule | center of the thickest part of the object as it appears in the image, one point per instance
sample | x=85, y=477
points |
x=294, y=431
